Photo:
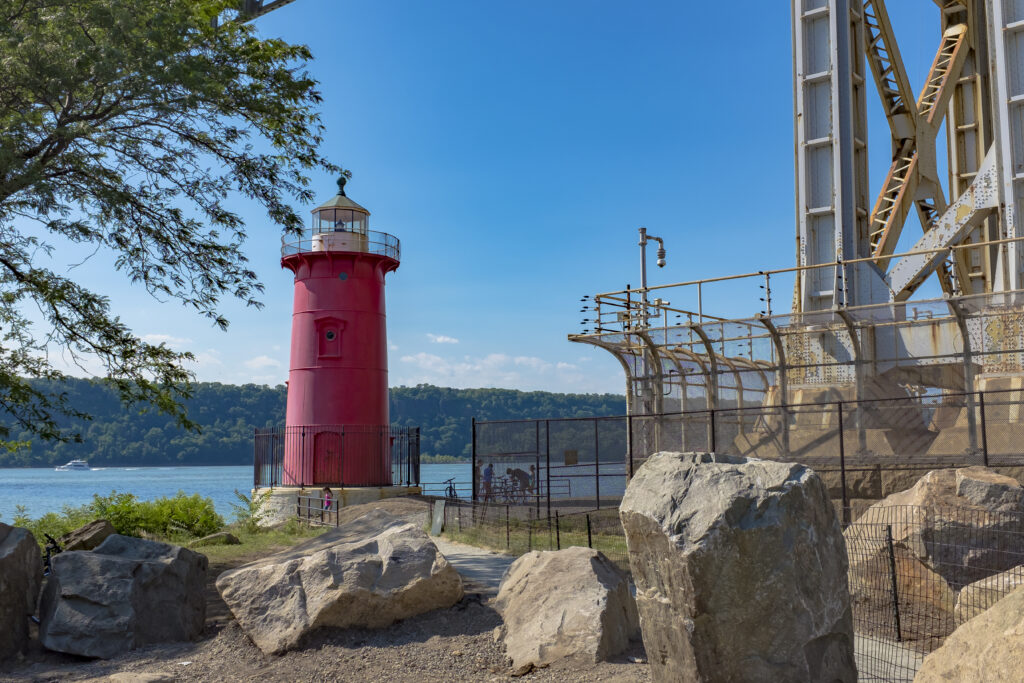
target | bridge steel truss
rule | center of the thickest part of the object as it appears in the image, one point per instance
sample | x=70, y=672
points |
x=975, y=86
x=855, y=332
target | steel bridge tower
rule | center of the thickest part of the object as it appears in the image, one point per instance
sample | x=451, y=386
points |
x=975, y=86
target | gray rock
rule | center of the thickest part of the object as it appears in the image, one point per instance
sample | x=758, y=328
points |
x=977, y=597
x=565, y=603
x=989, y=647
x=740, y=571
x=21, y=571
x=125, y=594
x=219, y=538
x=369, y=573
x=87, y=537
x=965, y=524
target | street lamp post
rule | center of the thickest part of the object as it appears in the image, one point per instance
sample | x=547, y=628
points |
x=644, y=238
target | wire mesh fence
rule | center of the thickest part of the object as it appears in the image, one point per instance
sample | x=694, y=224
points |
x=518, y=529
x=915, y=573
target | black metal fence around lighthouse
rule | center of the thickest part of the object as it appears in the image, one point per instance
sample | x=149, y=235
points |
x=332, y=455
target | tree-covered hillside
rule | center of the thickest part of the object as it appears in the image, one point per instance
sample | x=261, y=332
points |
x=228, y=413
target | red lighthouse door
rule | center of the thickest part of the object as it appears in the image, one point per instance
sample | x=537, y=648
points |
x=328, y=466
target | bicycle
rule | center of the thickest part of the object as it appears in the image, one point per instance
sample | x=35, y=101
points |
x=450, y=493
x=52, y=548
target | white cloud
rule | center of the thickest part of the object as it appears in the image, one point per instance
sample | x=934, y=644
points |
x=171, y=341
x=392, y=347
x=262, y=363
x=527, y=373
x=441, y=339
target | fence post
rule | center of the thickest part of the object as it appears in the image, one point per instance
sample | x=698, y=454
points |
x=474, y=483
x=590, y=540
x=713, y=439
x=508, y=531
x=547, y=460
x=597, y=466
x=895, y=587
x=984, y=428
x=629, y=443
x=558, y=533
x=529, y=529
x=842, y=467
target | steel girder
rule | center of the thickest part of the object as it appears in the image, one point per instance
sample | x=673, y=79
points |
x=975, y=86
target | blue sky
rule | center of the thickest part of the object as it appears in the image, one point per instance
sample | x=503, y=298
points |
x=514, y=148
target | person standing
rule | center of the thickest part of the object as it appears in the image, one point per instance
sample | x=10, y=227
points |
x=328, y=499
x=488, y=476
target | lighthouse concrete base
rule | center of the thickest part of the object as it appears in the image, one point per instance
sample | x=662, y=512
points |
x=283, y=503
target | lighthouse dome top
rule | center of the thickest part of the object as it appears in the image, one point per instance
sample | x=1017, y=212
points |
x=341, y=200
x=341, y=225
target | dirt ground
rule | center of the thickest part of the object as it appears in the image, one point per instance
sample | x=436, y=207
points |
x=455, y=644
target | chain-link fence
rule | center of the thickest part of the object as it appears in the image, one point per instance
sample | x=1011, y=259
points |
x=864, y=449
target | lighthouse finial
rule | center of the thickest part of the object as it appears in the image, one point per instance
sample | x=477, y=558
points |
x=342, y=179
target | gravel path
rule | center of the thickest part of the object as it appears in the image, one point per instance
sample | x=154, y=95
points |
x=481, y=570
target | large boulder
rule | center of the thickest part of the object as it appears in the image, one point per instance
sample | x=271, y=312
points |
x=370, y=572
x=977, y=597
x=965, y=524
x=87, y=537
x=989, y=647
x=126, y=593
x=565, y=603
x=21, y=571
x=740, y=571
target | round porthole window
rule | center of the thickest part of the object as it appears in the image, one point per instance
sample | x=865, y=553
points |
x=343, y=276
x=330, y=335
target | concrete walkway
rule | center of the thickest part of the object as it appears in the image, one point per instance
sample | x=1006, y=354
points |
x=481, y=570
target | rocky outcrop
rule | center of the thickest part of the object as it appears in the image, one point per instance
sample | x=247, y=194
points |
x=989, y=647
x=87, y=537
x=21, y=571
x=565, y=603
x=740, y=570
x=369, y=572
x=977, y=597
x=964, y=524
x=126, y=593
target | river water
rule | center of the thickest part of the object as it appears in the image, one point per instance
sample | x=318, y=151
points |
x=46, y=490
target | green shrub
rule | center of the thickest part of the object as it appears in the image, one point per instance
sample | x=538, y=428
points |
x=120, y=509
x=181, y=515
x=251, y=513
x=167, y=517
x=55, y=524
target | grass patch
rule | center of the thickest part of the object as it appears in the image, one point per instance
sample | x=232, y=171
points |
x=261, y=543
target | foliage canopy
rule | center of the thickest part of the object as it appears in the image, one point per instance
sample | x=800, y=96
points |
x=126, y=128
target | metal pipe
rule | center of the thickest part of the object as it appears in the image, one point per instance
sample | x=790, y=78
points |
x=797, y=269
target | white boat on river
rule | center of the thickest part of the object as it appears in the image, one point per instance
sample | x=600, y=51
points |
x=81, y=465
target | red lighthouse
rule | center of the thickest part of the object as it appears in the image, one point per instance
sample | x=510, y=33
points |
x=337, y=415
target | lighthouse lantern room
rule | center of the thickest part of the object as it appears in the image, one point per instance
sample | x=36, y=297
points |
x=337, y=412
